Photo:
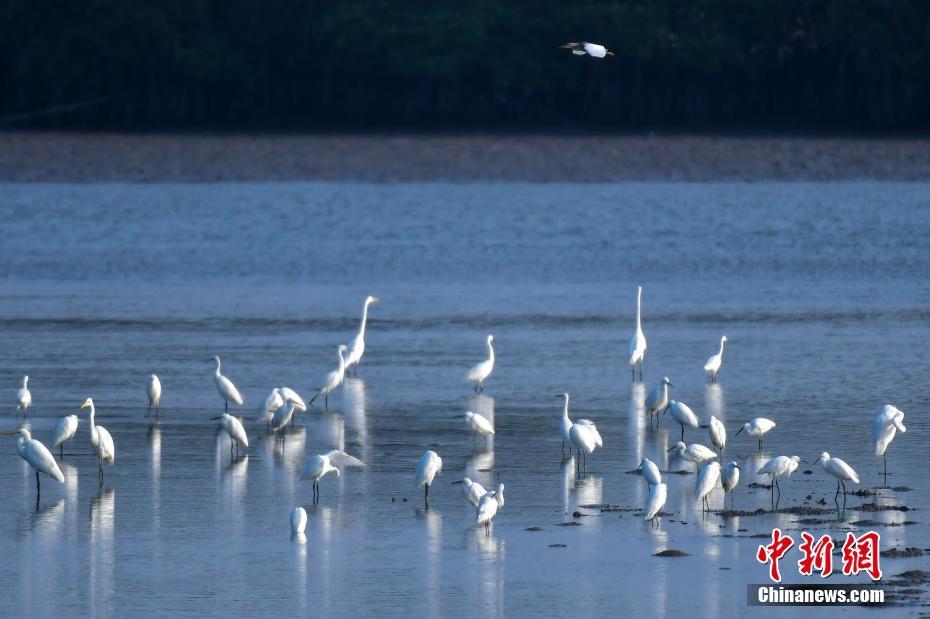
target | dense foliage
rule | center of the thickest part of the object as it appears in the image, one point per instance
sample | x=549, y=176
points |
x=861, y=65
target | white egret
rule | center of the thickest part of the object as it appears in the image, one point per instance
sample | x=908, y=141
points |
x=289, y=395
x=480, y=373
x=655, y=501
x=233, y=428
x=24, y=396
x=707, y=478
x=38, y=456
x=714, y=362
x=683, y=414
x=694, y=452
x=356, y=347
x=488, y=506
x=718, y=433
x=757, y=427
x=428, y=467
x=282, y=416
x=657, y=400
x=478, y=424
x=637, y=345
x=582, y=434
x=227, y=389
x=729, y=479
x=592, y=49
x=298, y=522
x=332, y=379
x=839, y=469
x=154, y=392
x=272, y=403
x=64, y=431
x=888, y=421
x=650, y=472
x=780, y=466
x=471, y=490
x=331, y=462
x=101, y=440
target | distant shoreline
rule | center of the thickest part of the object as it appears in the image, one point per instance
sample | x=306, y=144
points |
x=93, y=157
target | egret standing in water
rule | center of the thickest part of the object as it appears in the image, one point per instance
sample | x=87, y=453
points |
x=488, y=506
x=729, y=479
x=480, y=373
x=706, y=480
x=888, y=421
x=272, y=403
x=24, y=396
x=780, y=466
x=650, y=472
x=683, y=414
x=594, y=50
x=356, y=347
x=479, y=425
x=227, y=389
x=842, y=471
x=695, y=452
x=757, y=427
x=471, y=490
x=714, y=362
x=582, y=434
x=332, y=379
x=233, y=428
x=154, y=393
x=718, y=433
x=331, y=462
x=282, y=417
x=657, y=400
x=655, y=501
x=637, y=345
x=298, y=522
x=38, y=456
x=101, y=441
x=64, y=431
x=428, y=467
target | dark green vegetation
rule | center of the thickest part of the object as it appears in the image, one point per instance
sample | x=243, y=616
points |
x=859, y=65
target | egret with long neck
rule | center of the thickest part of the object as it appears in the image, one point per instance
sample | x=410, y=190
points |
x=715, y=361
x=637, y=347
x=101, y=440
x=332, y=379
x=357, y=345
x=479, y=373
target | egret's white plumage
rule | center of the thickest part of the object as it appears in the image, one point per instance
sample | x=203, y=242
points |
x=428, y=467
x=657, y=400
x=582, y=434
x=655, y=501
x=233, y=427
x=650, y=472
x=714, y=362
x=488, y=506
x=594, y=50
x=226, y=388
x=282, y=416
x=637, y=344
x=683, y=414
x=356, y=347
x=24, y=396
x=266, y=411
x=37, y=455
x=707, y=478
x=153, y=389
x=480, y=373
x=888, y=421
x=779, y=466
x=331, y=462
x=332, y=379
x=695, y=452
x=298, y=521
x=101, y=440
x=729, y=478
x=718, y=433
x=840, y=470
x=472, y=491
x=64, y=431
x=289, y=395
x=757, y=427
x=478, y=424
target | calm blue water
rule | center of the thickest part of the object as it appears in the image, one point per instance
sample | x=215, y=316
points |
x=822, y=289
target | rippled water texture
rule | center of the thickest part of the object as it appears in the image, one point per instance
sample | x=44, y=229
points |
x=822, y=289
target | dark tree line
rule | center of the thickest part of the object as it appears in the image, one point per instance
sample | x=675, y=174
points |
x=850, y=65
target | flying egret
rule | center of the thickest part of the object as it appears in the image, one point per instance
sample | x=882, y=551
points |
x=298, y=522
x=282, y=416
x=888, y=421
x=471, y=490
x=842, y=471
x=101, y=441
x=706, y=480
x=154, y=393
x=714, y=362
x=650, y=472
x=780, y=466
x=655, y=501
x=478, y=424
x=272, y=403
x=233, y=428
x=331, y=462
x=592, y=49
x=227, y=389
x=24, y=396
x=694, y=452
x=729, y=479
x=718, y=433
x=488, y=506
x=480, y=373
x=683, y=414
x=637, y=345
x=357, y=345
x=657, y=400
x=757, y=427
x=428, y=467
x=38, y=456
x=332, y=379
x=64, y=431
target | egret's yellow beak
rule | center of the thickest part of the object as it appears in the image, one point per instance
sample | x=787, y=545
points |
x=611, y=54
x=10, y=433
x=85, y=404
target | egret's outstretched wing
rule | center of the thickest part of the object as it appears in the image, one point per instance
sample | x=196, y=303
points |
x=341, y=459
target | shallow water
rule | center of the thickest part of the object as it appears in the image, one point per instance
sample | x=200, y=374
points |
x=821, y=288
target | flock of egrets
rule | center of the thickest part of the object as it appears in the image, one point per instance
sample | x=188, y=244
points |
x=277, y=412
